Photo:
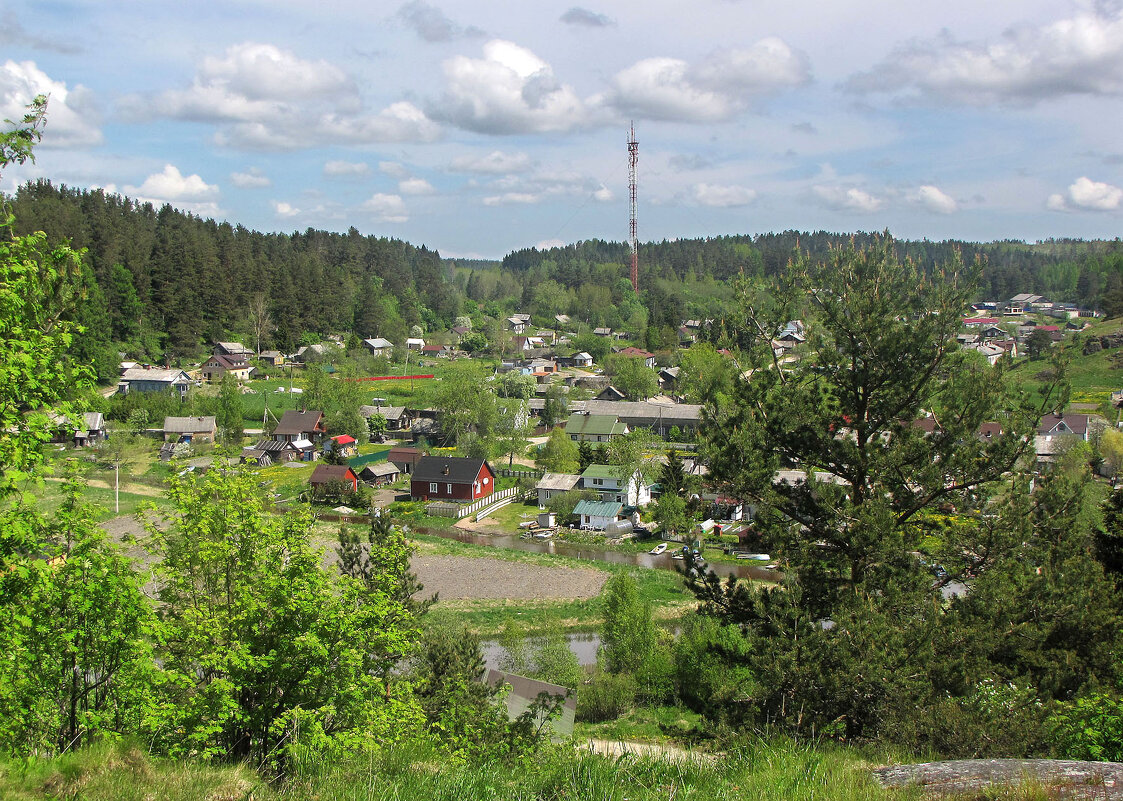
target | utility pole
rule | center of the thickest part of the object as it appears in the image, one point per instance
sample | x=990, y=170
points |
x=633, y=159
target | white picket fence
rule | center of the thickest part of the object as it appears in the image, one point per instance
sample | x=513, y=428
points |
x=456, y=510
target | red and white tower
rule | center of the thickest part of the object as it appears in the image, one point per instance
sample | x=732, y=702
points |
x=633, y=158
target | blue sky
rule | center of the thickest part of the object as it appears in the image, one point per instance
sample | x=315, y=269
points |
x=477, y=128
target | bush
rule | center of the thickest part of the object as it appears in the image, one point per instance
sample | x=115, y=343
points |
x=1089, y=728
x=705, y=679
x=606, y=697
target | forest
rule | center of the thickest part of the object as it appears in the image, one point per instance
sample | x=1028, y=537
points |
x=161, y=284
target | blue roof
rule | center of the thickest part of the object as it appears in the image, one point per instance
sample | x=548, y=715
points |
x=598, y=508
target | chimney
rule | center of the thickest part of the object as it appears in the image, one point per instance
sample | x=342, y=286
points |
x=445, y=471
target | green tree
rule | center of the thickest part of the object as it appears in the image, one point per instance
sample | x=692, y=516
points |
x=514, y=384
x=513, y=429
x=78, y=664
x=258, y=638
x=466, y=403
x=1038, y=344
x=559, y=454
x=474, y=342
x=627, y=631
x=705, y=376
x=632, y=377
x=230, y=422
x=556, y=407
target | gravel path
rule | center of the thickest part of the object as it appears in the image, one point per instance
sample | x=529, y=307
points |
x=483, y=577
x=1060, y=778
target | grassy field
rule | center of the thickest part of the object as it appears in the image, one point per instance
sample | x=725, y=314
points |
x=409, y=772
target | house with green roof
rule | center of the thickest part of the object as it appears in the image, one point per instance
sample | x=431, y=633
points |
x=585, y=427
x=608, y=480
x=597, y=514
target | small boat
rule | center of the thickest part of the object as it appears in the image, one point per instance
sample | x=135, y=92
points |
x=759, y=557
x=658, y=549
x=772, y=566
x=677, y=556
x=543, y=535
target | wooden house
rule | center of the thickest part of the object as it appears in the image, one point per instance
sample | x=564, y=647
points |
x=451, y=478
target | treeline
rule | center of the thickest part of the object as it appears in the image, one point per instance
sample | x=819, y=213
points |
x=163, y=282
x=1089, y=273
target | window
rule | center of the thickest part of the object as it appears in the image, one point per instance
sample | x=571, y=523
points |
x=432, y=488
x=449, y=488
x=486, y=479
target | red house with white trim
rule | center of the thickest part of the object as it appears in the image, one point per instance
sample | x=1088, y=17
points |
x=451, y=478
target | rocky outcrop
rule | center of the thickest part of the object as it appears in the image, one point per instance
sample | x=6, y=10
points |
x=1061, y=778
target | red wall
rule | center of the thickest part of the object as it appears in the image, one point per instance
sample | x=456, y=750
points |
x=460, y=492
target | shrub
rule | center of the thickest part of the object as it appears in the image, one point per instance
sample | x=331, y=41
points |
x=605, y=697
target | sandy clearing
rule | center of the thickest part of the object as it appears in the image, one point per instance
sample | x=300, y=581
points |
x=484, y=577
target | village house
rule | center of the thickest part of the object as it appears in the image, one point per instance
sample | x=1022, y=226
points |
x=379, y=474
x=273, y=358
x=190, y=429
x=233, y=349
x=343, y=445
x=300, y=425
x=415, y=343
x=378, y=346
x=398, y=418
x=603, y=332
x=325, y=474
x=405, y=459
x=637, y=353
x=89, y=431
x=515, y=325
x=597, y=515
x=1071, y=425
x=218, y=366
x=451, y=478
x=552, y=484
x=585, y=427
x=608, y=481
x=154, y=379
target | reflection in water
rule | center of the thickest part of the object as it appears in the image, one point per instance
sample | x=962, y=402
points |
x=583, y=644
x=597, y=553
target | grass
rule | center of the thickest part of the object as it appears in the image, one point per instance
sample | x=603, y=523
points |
x=420, y=771
x=646, y=724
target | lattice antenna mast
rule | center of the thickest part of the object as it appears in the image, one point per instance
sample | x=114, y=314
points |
x=633, y=158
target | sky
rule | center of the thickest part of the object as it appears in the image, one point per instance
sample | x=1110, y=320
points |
x=478, y=128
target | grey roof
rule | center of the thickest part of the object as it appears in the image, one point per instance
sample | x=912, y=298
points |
x=378, y=343
x=189, y=425
x=155, y=374
x=389, y=412
x=296, y=422
x=379, y=469
x=562, y=482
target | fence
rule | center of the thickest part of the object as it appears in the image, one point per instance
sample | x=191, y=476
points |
x=445, y=509
x=358, y=462
x=507, y=472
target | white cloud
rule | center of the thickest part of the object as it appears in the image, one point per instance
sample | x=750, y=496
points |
x=190, y=193
x=415, y=186
x=934, y=200
x=285, y=210
x=431, y=24
x=266, y=98
x=340, y=169
x=386, y=208
x=585, y=18
x=603, y=195
x=512, y=198
x=717, y=88
x=1086, y=194
x=253, y=178
x=494, y=163
x=1080, y=55
x=393, y=169
x=717, y=196
x=71, y=120
x=546, y=244
x=842, y=199
x=508, y=91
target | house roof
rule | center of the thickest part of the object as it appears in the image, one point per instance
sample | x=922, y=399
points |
x=228, y=362
x=583, y=356
x=343, y=439
x=378, y=343
x=594, y=424
x=389, y=412
x=404, y=455
x=233, y=347
x=1063, y=424
x=598, y=508
x=331, y=472
x=602, y=471
x=380, y=469
x=557, y=481
x=449, y=469
x=189, y=425
x=155, y=374
x=297, y=422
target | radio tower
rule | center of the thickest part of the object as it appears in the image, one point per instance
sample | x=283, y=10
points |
x=633, y=157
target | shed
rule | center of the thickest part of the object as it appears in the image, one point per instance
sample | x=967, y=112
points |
x=597, y=514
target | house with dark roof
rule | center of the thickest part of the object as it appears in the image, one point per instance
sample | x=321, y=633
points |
x=300, y=425
x=451, y=478
x=1053, y=425
x=218, y=366
x=325, y=474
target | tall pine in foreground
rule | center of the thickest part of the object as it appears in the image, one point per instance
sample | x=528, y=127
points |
x=906, y=453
